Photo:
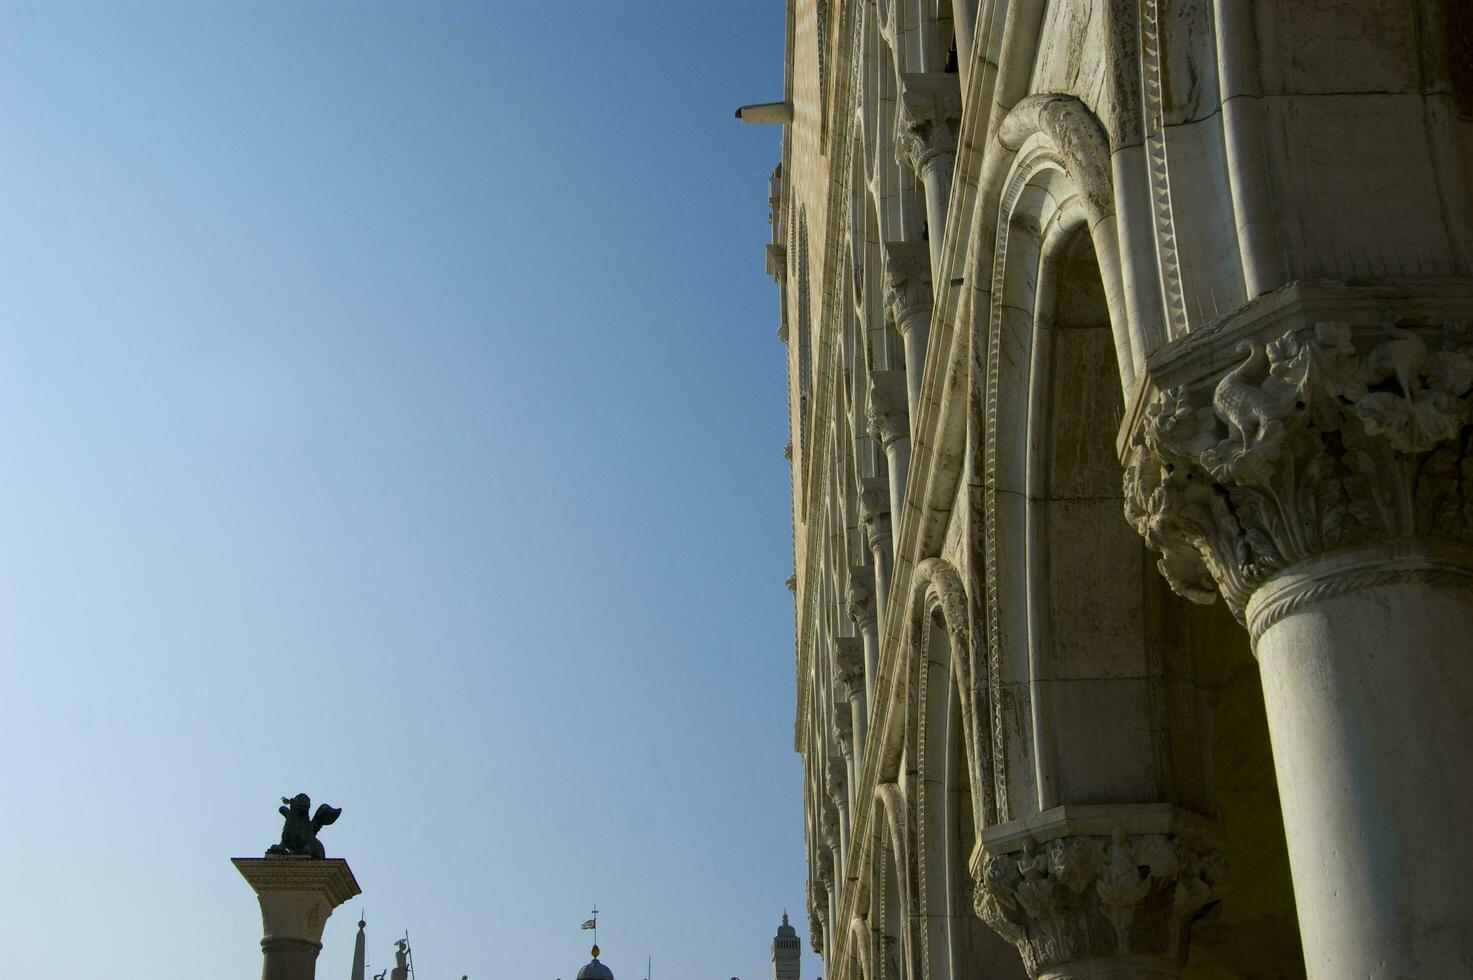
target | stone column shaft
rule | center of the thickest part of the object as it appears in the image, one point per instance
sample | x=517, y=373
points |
x=930, y=118
x=1369, y=696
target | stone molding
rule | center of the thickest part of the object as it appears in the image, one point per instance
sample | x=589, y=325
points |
x=1427, y=562
x=908, y=293
x=1314, y=442
x=297, y=894
x=1079, y=138
x=889, y=418
x=930, y=118
x=1099, y=882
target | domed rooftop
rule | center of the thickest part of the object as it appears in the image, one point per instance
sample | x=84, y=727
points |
x=595, y=970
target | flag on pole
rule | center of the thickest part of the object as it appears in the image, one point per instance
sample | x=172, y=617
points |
x=590, y=924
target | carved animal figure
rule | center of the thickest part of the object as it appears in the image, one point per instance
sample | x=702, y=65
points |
x=1402, y=357
x=1249, y=407
x=299, y=834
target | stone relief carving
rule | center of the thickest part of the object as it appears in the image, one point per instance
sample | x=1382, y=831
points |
x=1085, y=895
x=889, y=418
x=908, y=282
x=1309, y=444
x=849, y=659
x=930, y=119
x=859, y=595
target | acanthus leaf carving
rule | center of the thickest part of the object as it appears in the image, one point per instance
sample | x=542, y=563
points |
x=1309, y=443
x=1052, y=901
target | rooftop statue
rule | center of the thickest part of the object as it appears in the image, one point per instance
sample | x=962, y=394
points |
x=299, y=835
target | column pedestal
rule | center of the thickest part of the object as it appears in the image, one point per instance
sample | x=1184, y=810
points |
x=1366, y=657
x=296, y=894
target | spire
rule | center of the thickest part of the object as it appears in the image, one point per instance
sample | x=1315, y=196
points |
x=359, y=951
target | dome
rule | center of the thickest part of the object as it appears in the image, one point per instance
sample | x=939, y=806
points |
x=595, y=970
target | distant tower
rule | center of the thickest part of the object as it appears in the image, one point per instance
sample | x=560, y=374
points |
x=360, y=954
x=785, y=952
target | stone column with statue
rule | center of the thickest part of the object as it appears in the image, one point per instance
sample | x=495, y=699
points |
x=297, y=887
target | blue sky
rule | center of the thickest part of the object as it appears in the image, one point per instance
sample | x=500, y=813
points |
x=391, y=410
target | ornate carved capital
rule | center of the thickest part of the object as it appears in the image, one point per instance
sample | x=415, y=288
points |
x=815, y=930
x=849, y=659
x=930, y=118
x=889, y=419
x=1078, y=891
x=908, y=284
x=843, y=733
x=1313, y=442
x=859, y=599
x=838, y=789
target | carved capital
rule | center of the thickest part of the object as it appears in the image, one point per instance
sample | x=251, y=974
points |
x=815, y=930
x=889, y=419
x=838, y=789
x=908, y=284
x=843, y=732
x=930, y=119
x=1314, y=441
x=859, y=599
x=1072, y=888
x=849, y=661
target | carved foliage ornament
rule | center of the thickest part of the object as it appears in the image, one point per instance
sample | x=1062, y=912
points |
x=1311, y=443
x=1083, y=896
x=929, y=120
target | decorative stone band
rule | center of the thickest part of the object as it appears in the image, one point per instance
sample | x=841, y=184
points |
x=1312, y=443
x=1085, y=883
x=930, y=118
x=1427, y=562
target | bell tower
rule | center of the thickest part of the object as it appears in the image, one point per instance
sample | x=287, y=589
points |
x=785, y=952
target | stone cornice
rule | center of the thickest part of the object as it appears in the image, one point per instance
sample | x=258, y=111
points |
x=329, y=877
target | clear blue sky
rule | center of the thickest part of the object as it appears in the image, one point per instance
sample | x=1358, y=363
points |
x=391, y=410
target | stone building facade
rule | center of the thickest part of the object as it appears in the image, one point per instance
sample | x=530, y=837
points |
x=1130, y=362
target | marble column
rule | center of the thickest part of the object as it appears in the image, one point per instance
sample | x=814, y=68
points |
x=874, y=521
x=1319, y=486
x=930, y=119
x=889, y=425
x=850, y=684
x=859, y=606
x=296, y=895
x=908, y=296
